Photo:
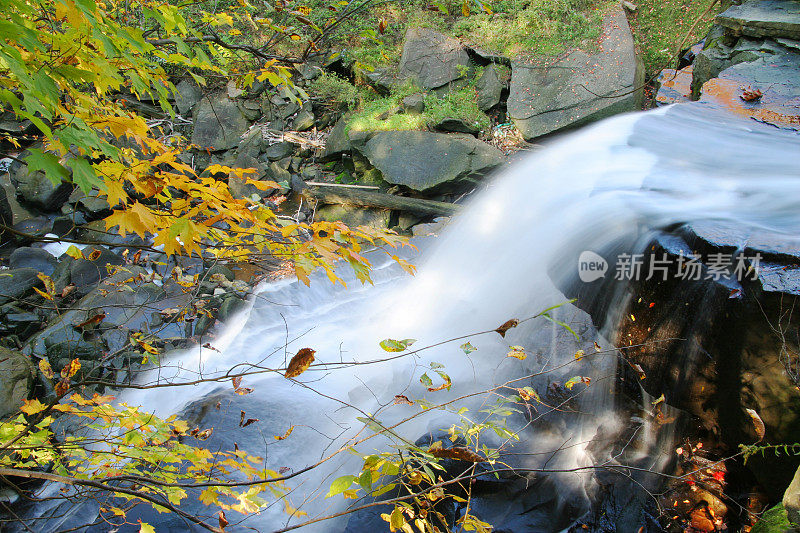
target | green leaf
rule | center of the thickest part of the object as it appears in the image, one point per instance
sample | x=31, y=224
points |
x=340, y=485
x=83, y=175
x=560, y=323
x=47, y=163
x=426, y=380
x=365, y=480
x=468, y=348
x=384, y=489
x=392, y=345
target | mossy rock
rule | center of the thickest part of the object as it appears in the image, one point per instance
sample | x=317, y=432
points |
x=774, y=520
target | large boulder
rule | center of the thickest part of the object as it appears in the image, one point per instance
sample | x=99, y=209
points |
x=763, y=18
x=218, y=123
x=187, y=94
x=430, y=162
x=16, y=378
x=432, y=59
x=581, y=87
x=490, y=86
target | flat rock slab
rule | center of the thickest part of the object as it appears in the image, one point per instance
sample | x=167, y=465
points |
x=432, y=59
x=427, y=162
x=763, y=18
x=580, y=87
x=675, y=86
x=776, y=76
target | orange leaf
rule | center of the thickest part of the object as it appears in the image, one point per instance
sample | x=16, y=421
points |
x=300, y=362
x=507, y=325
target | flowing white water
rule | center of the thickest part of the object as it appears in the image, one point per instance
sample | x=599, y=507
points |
x=503, y=257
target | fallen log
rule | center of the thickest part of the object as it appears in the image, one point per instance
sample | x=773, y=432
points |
x=330, y=194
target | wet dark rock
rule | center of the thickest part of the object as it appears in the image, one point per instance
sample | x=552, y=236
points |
x=15, y=320
x=36, y=227
x=38, y=259
x=546, y=99
x=86, y=273
x=776, y=76
x=218, y=123
x=34, y=189
x=427, y=161
x=16, y=379
x=17, y=283
x=431, y=59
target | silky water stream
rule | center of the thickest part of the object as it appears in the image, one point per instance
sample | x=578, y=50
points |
x=512, y=253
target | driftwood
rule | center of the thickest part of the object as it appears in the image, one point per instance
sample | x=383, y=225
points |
x=331, y=194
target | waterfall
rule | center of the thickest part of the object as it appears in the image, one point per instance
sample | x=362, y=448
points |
x=510, y=254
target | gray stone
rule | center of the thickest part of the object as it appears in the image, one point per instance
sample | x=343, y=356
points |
x=763, y=18
x=776, y=76
x=17, y=283
x=279, y=150
x=16, y=379
x=279, y=173
x=490, y=87
x=218, y=123
x=791, y=499
x=127, y=307
x=86, y=273
x=18, y=321
x=304, y=120
x=430, y=162
x=36, y=190
x=456, y=125
x=187, y=94
x=414, y=103
x=432, y=59
x=354, y=216
x=546, y=99
x=381, y=79
x=38, y=259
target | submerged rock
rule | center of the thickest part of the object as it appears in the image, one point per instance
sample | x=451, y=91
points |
x=579, y=88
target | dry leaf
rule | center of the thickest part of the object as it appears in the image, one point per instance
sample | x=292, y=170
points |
x=243, y=391
x=402, y=399
x=639, y=370
x=94, y=255
x=458, y=453
x=758, y=424
x=237, y=381
x=69, y=289
x=92, y=321
x=222, y=520
x=300, y=362
x=249, y=421
x=62, y=387
x=204, y=435
x=241, y=418
x=507, y=325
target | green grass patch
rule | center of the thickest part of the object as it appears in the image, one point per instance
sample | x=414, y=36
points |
x=660, y=25
x=385, y=113
x=532, y=27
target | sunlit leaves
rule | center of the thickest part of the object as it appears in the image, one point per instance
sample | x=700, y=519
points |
x=467, y=348
x=517, y=352
x=392, y=345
